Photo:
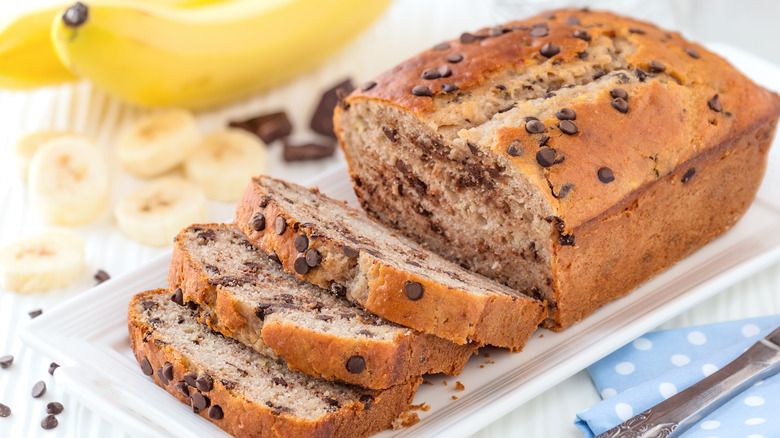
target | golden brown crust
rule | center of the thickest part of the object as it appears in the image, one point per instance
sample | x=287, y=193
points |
x=247, y=418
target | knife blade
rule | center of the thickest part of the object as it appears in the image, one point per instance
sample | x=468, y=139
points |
x=673, y=416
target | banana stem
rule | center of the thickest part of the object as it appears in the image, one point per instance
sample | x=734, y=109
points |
x=76, y=15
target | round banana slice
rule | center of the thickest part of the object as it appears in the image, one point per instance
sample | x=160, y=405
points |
x=68, y=181
x=224, y=162
x=154, y=213
x=26, y=146
x=158, y=142
x=49, y=260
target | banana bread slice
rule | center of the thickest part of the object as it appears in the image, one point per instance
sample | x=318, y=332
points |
x=248, y=297
x=338, y=247
x=244, y=392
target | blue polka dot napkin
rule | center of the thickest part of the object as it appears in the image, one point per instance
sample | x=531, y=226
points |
x=658, y=365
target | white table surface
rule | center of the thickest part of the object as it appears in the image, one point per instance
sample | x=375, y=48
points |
x=406, y=28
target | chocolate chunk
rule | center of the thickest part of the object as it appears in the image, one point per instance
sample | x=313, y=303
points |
x=264, y=200
x=350, y=252
x=313, y=257
x=183, y=389
x=313, y=150
x=325, y=318
x=190, y=379
x=215, y=413
x=258, y=222
x=35, y=313
x=200, y=401
x=605, y=175
x=413, y=290
x=53, y=366
x=714, y=104
x=657, y=67
x=204, y=383
x=515, y=149
x=467, y=38
x=454, y=58
x=693, y=53
x=6, y=361
x=545, y=157
x=280, y=225
x=583, y=35
x=549, y=50
x=534, y=126
x=564, y=191
x=572, y=20
x=54, y=408
x=273, y=256
x=444, y=71
x=322, y=119
x=422, y=90
x=269, y=127
x=167, y=371
x=430, y=73
x=449, y=88
x=391, y=134
x=568, y=127
x=356, y=364
x=441, y=46
x=339, y=289
x=50, y=421
x=538, y=31
x=101, y=276
x=301, y=242
x=146, y=367
x=279, y=381
x=688, y=175
x=5, y=411
x=620, y=105
x=39, y=389
x=566, y=114
x=367, y=86
x=178, y=297
x=300, y=266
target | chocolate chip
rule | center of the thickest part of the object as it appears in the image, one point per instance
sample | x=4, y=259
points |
x=313, y=257
x=215, y=413
x=620, y=105
x=640, y=74
x=280, y=225
x=605, y=175
x=449, y=88
x=545, y=157
x=657, y=67
x=549, y=50
x=618, y=93
x=430, y=73
x=313, y=150
x=566, y=240
x=441, y=46
x=467, y=38
x=301, y=242
x=35, y=313
x=264, y=200
x=495, y=32
x=413, y=290
x=693, y=53
x=273, y=256
x=146, y=367
x=515, y=149
x=566, y=114
x=543, y=140
x=200, y=401
x=322, y=119
x=366, y=333
x=444, y=71
x=53, y=366
x=367, y=401
x=688, y=175
x=178, y=297
x=534, y=126
x=568, y=127
x=390, y=134
x=714, y=104
x=454, y=58
x=258, y=222
x=583, y=35
x=5, y=411
x=367, y=86
x=356, y=364
x=279, y=381
x=167, y=371
x=54, y=408
x=564, y=191
x=6, y=361
x=339, y=289
x=519, y=27
x=539, y=31
x=101, y=276
x=331, y=401
x=636, y=31
x=190, y=379
x=300, y=266
x=39, y=389
x=182, y=388
x=49, y=422
x=350, y=252
x=325, y=318
x=422, y=90
x=572, y=21
x=204, y=383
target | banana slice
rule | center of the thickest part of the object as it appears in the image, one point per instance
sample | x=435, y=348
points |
x=158, y=142
x=69, y=182
x=26, y=146
x=157, y=211
x=49, y=260
x=224, y=162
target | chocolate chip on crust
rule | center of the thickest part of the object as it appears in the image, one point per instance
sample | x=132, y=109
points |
x=146, y=367
x=367, y=86
x=449, y=88
x=582, y=34
x=422, y=90
x=688, y=175
x=301, y=266
x=182, y=388
x=714, y=104
x=620, y=105
x=441, y=46
x=204, y=383
x=467, y=38
x=534, y=126
x=413, y=290
x=215, y=413
x=618, y=93
x=444, y=71
x=275, y=257
x=606, y=175
x=301, y=243
x=566, y=114
x=199, y=401
x=430, y=73
x=545, y=157
x=313, y=257
x=564, y=190
x=549, y=50
x=190, y=379
x=167, y=371
x=572, y=20
x=515, y=149
x=567, y=127
x=356, y=364
x=657, y=67
x=693, y=53
x=258, y=222
x=350, y=252
x=280, y=225
x=539, y=30
x=454, y=58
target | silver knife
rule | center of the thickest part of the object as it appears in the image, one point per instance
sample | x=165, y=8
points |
x=673, y=416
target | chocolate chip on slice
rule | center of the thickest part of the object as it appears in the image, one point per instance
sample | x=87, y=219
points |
x=6, y=361
x=190, y=379
x=313, y=257
x=441, y=46
x=422, y=90
x=178, y=297
x=657, y=67
x=391, y=134
x=356, y=364
x=313, y=150
x=566, y=114
x=688, y=175
x=5, y=411
x=545, y=157
x=539, y=31
x=301, y=242
x=515, y=149
x=39, y=389
x=534, y=126
x=146, y=367
x=413, y=290
x=258, y=222
x=35, y=313
x=49, y=422
x=467, y=38
x=454, y=58
x=564, y=191
x=264, y=200
x=618, y=93
x=200, y=401
x=430, y=73
x=444, y=71
x=449, y=88
x=280, y=225
x=350, y=252
x=54, y=408
x=549, y=50
x=167, y=371
x=714, y=104
x=275, y=257
x=568, y=127
x=101, y=276
x=215, y=413
x=693, y=53
x=572, y=20
x=300, y=266
x=182, y=388
x=606, y=175
x=582, y=34
x=338, y=289
x=620, y=105
x=322, y=119
x=367, y=86
x=204, y=383
x=495, y=32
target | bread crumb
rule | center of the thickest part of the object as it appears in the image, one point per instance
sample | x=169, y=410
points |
x=487, y=354
x=459, y=386
x=482, y=366
x=406, y=419
x=422, y=406
x=541, y=335
x=427, y=382
x=445, y=382
x=454, y=397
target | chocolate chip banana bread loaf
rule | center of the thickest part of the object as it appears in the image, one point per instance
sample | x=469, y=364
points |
x=248, y=297
x=572, y=155
x=244, y=392
x=337, y=247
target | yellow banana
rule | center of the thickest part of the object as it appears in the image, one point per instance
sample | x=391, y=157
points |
x=205, y=56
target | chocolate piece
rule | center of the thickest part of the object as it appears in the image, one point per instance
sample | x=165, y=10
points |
x=543, y=140
x=566, y=114
x=566, y=240
x=258, y=222
x=568, y=127
x=620, y=105
x=325, y=318
x=441, y=46
x=454, y=58
x=367, y=86
x=178, y=297
x=5, y=411
x=190, y=379
x=693, y=53
x=300, y=266
x=545, y=157
x=618, y=93
x=35, y=313
x=539, y=30
x=350, y=252
x=322, y=120
x=606, y=175
x=422, y=90
x=636, y=31
x=688, y=175
x=549, y=50
x=182, y=388
x=714, y=104
x=314, y=150
x=583, y=35
x=269, y=127
x=563, y=191
x=467, y=38
x=167, y=371
x=39, y=389
x=146, y=367
x=54, y=408
x=101, y=276
x=50, y=421
x=200, y=401
x=215, y=413
x=390, y=134
x=449, y=88
x=657, y=67
x=430, y=73
x=264, y=200
x=339, y=289
x=356, y=364
x=6, y=361
x=280, y=225
x=444, y=71
x=301, y=242
x=53, y=366
x=515, y=149
x=204, y=383
x=313, y=257
x=572, y=20
x=534, y=126
x=413, y=290
x=273, y=256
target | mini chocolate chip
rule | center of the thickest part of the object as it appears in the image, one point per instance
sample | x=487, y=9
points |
x=515, y=149
x=356, y=364
x=467, y=38
x=534, y=127
x=301, y=242
x=39, y=389
x=454, y=58
x=101, y=276
x=549, y=50
x=367, y=86
x=258, y=222
x=620, y=105
x=688, y=175
x=422, y=90
x=566, y=114
x=444, y=71
x=606, y=175
x=568, y=127
x=618, y=93
x=53, y=366
x=657, y=67
x=167, y=370
x=200, y=401
x=572, y=20
x=441, y=46
x=190, y=379
x=34, y=313
x=280, y=225
x=693, y=53
x=6, y=361
x=300, y=266
x=449, y=88
x=204, y=383
x=54, y=408
x=350, y=252
x=146, y=367
x=339, y=289
x=539, y=31
x=275, y=257
x=430, y=73
x=313, y=257
x=182, y=388
x=545, y=157
x=413, y=290
x=5, y=411
x=714, y=104
x=583, y=35
x=49, y=422
x=178, y=297
x=215, y=413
